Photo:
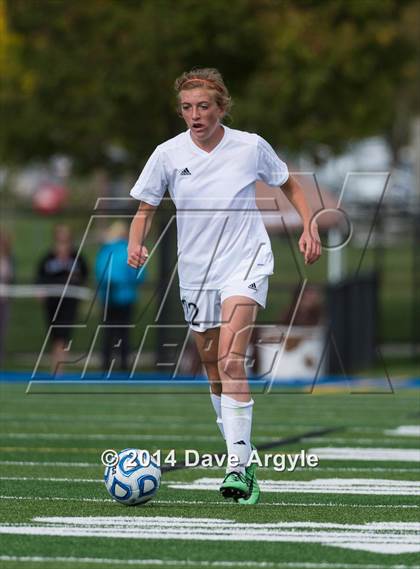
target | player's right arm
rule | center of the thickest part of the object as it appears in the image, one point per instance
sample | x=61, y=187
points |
x=139, y=229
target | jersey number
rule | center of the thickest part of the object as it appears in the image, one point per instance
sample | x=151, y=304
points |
x=191, y=311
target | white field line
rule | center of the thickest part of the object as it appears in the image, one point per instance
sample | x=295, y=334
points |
x=325, y=453
x=219, y=502
x=409, y=454
x=380, y=440
x=362, y=404
x=40, y=463
x=298, y=469
x=133, y=424
x=11, y=418
x=371, y=454
x=84, y=465
x=138, y=437
x=363, y=469
x=51, y=479
x=183, y=521
x=263, y=429
x=53, y=450
x=119, y=417
x=369, y=486
x=191, y=563
x=263, y=426
x=103, y=437
x=92, y=418
x=53, y=499
x=384, y=538
x=405, y=431
x=176, y=437
x=179, y=436
x=376, y=430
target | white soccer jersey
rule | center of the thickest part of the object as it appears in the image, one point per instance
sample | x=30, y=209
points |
x=221, y=234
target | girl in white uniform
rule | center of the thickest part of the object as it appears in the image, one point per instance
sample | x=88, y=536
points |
x=224, y=252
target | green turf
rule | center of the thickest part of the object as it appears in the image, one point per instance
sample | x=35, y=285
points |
x=50, y=430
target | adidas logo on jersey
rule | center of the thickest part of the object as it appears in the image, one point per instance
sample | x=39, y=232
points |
x=253, y=286
x=185, y=172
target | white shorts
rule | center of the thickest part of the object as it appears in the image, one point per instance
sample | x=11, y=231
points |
x=203, y=308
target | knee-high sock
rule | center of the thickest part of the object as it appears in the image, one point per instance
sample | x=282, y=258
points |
x=217, y=405
x=237, y=423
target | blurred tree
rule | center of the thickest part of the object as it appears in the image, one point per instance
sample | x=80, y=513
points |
x=103, y=71
x=336, y=70
x=83, y=77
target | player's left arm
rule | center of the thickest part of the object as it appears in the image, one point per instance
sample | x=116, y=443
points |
x=309, y=242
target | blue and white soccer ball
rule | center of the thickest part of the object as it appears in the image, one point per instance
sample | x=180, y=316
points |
x=134, y=479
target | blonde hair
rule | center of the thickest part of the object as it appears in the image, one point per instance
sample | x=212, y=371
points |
x=206, y=78
x=117, y=230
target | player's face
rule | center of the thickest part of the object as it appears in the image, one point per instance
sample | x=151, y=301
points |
x=201, y=114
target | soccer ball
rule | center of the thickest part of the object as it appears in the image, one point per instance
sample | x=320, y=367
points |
x=134, y=479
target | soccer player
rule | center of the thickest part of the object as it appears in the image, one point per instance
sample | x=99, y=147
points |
x=224, y=252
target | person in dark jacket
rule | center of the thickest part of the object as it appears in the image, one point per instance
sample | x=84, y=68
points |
x=118, y=284
x=60, y=266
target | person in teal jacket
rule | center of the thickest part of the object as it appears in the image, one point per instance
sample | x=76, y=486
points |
x=117, y=290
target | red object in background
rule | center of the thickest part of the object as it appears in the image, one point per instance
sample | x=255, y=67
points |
x=49, y=199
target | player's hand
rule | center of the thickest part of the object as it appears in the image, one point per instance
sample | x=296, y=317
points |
x=310, y=244
x=137, y=256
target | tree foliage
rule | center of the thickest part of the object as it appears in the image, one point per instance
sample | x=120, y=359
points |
x=78, y=77
x=335, y=70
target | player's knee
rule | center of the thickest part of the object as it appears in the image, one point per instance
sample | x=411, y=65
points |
x=232, y=366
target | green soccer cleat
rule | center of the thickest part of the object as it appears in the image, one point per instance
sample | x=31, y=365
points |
x=234, y=486
x=253, y=487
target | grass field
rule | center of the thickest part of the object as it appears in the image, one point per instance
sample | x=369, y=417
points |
x=353, y=512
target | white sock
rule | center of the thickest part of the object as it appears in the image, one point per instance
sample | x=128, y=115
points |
x=237, y=423
x=217, y=405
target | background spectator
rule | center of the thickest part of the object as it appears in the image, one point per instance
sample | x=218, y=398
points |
x=7, y=274
x=118, y=284
x=56, y=268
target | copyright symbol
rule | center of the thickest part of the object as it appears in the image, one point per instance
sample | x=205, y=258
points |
x=109, y=457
